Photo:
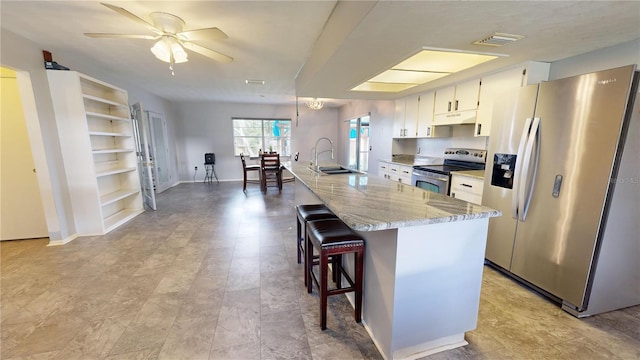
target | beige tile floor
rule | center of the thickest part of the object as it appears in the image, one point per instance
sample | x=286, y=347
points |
x=213, y=275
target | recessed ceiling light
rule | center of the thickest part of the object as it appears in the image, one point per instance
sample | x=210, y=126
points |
x=254, y=82
x=498, y=39
x=426, y=65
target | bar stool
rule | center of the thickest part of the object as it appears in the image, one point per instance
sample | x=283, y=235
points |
x=307, y=213
x=333, y=238
x=310, y=213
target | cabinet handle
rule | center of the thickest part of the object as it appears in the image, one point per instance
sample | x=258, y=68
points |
x=466, y=185
x=456, y=105
x=479, y=129
x=449, y=106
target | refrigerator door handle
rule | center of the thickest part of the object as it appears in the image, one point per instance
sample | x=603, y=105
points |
x=524, y=193
x=518, y=166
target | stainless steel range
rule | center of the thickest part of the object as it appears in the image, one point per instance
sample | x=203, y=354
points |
x=438, y=177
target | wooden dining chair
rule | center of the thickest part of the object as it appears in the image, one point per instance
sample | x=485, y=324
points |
x=248, y=168
x=271, y=171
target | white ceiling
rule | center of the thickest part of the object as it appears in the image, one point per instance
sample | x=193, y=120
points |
x=334, y=45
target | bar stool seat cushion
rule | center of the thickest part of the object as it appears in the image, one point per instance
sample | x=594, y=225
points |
x=333, y=232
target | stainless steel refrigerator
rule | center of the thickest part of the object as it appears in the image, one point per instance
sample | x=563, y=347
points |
x=563, y=167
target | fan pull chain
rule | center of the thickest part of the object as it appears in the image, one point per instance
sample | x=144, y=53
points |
x=171, y=62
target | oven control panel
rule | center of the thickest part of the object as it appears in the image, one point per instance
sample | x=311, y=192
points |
x=470, y=155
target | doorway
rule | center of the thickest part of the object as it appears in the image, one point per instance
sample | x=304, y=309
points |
x=359, y=143
x=159, y=151
x=22, y=210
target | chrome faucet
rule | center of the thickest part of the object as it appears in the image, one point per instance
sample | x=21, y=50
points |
x=314, y=149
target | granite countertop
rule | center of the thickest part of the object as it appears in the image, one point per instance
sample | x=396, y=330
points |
x=478, y=174
x=401, y=161
x=369, y=203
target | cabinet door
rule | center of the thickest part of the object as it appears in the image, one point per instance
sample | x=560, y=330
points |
x=425, y=114
x=394, y=172
x=466, y=97
x=444, y=100
x=404, y=173
x=398, y=122
x=383, y=169
x=466, y=188
x=493, y=85
x=411, y=116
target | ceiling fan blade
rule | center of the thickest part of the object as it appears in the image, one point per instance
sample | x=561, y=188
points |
x=212, y=33
x=121, y=36
x=132, y=17
x=207, y=52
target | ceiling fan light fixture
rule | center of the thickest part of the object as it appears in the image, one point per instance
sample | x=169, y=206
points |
x=315, y=104
x=166, y=48
x=179, y=55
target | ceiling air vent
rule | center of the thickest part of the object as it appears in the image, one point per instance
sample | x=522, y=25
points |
x=498, y=39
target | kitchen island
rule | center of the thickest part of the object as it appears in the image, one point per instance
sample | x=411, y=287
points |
x=424, y=256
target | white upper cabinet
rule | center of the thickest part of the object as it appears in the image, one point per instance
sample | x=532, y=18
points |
x=398, y=122
x=406, y=117
x=444, y=100
x=425, y=118
x=509, y=80
x=457, y=104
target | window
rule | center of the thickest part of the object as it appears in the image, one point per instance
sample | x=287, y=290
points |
x=252, y=135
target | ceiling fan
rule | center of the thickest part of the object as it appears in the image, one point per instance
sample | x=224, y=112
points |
x=172, y=40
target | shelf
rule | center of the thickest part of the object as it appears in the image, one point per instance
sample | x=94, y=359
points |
x=103, y=133
x=104, y=101
x=118, y=195
x=115, y=171
x=120, y=218
x=107, y=117
x=110, y=151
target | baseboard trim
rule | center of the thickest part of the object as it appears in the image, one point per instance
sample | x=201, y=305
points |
x=62, y=241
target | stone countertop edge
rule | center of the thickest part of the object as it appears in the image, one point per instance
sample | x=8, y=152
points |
x=399, y=162
x=478, y=174
x=371, y=203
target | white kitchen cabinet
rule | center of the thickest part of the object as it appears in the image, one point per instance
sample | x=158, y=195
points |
x=426, y=128
x=383, y=169
x=495, y=84
x=466, y=188
x=98, y=150
x=404, y=174
x=395, y=172
x=406, y=117
x=457, y=104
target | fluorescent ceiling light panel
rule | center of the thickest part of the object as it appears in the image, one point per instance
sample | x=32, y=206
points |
x=443, y=61
x=382, y=87
x=407, y=77
x=426, y=65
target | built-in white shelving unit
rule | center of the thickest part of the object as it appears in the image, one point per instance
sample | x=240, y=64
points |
x=98, y=149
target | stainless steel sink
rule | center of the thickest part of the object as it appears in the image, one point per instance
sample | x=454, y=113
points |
x=336, y=170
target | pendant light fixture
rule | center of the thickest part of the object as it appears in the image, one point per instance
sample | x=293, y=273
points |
x=315, y=104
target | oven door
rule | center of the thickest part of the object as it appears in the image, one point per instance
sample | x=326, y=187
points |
x=430, y=181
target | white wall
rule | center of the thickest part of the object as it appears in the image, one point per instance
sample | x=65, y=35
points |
x=20, y=53
x=203, y=127
x=608, y=58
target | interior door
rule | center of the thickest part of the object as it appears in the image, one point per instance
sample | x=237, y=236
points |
x=22, y=212
x=141, y=132
x=160, y=150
